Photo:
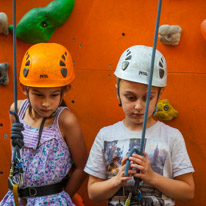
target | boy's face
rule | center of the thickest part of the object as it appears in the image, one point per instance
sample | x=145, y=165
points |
x=133, y=97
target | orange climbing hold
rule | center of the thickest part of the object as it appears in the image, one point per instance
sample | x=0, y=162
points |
x=203, y=28
x=77, y=200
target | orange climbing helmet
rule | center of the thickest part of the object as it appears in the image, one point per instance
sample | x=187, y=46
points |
x=47, y=65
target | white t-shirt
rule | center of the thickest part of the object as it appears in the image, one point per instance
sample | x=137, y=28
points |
x=164, y=145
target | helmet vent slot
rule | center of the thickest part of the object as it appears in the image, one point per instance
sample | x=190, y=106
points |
x=161, y=73
x=62, y=63
x=27, y=63
x=27, y=57
x=63, y=57
x=160, y=64
x=125, y=65
x=25, y=72
x=64, y=72
x=129, y=52
x=129, y=57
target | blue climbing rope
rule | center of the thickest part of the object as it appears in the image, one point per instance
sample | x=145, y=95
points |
x=150, y=77
x=16, y=158
x=148, y=91
x=136, y=190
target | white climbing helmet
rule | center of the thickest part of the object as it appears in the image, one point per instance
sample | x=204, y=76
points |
x=135, y=63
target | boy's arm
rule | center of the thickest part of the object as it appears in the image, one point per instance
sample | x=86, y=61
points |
x=100, y=190
x=181, y=188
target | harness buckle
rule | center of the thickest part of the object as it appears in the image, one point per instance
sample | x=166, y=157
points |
x=32, y=191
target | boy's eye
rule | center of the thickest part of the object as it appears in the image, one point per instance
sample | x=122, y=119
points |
x=151, y=97
x=131, y=98
x=145, y=98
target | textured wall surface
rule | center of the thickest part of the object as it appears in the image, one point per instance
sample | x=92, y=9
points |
x=96, y=33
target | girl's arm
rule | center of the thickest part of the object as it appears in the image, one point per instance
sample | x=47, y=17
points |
x=100, y=189
x=181, y=188
x=71, y=130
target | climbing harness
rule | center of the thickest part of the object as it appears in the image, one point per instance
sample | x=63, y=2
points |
x=136, y=189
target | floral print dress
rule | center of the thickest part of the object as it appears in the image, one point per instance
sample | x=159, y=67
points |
x=48, y=164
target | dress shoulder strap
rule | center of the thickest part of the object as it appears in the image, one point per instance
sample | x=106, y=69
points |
x=23, y=108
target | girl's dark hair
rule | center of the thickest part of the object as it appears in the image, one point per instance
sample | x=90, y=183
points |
x=63, y=104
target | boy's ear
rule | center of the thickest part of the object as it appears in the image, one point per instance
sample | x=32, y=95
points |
x=160, y=93
x=24, y=89
x=116, y=88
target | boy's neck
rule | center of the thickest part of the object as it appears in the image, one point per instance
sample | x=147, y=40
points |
x=139, y=126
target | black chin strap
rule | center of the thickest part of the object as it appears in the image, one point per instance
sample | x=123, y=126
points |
x=45, y=118
x=40, y=131
x=118, y=94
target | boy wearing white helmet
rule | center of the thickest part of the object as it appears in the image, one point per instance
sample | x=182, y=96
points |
x=164, y=171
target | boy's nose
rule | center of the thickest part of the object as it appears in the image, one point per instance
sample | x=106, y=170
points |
x=139, y=105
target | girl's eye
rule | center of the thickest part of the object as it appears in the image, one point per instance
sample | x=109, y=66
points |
x=55, y=95
x=38, y=95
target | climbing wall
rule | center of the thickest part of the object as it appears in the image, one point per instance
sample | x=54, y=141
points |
x=96, y=33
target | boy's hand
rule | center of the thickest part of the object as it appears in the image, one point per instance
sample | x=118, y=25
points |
x=121, y=179
x=142, y=163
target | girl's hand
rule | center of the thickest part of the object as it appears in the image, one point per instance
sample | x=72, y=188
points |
x=120, y=178
x=142, y=163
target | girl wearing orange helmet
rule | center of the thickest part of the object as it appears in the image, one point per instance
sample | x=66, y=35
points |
x=51, y=132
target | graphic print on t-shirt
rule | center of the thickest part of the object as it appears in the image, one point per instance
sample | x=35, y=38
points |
x=115, y=151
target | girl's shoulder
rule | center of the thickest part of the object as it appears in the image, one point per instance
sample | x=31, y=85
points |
x=12, y=108
x=19, y=103
x=67, y=120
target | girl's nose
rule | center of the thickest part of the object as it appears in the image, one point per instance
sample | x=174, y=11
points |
x=45, y=103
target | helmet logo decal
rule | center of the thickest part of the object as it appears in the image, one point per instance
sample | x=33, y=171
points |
x=43, y=76
x=143, y=73
x=64, y=72
x=25, y=72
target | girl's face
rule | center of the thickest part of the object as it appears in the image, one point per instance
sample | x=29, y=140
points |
x=133, y=97
x=44, y=101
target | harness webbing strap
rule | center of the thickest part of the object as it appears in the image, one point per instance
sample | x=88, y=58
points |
x=15, y=194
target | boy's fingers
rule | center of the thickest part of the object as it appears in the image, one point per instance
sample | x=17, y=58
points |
x=124, y=160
